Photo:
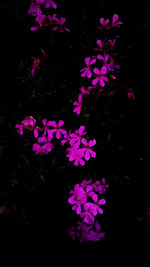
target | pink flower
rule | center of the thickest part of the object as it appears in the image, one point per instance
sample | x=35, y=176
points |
x=59, y=25
x=57, y=129
x=78, y=197
x=100, y=186
x=104, y=24
x=34, y=9
x=78, y=104
x=114, y=21
x=112, y=42
x=100, y=44
x=46, y=129
x=39, y=149
x=40, y=20
x=29, y=123
x=35, y=65
x=77, y=136
x=87, y=149
x=50, y=3
x=108, y=62
x=87, y=71
x=20, y=128
x=67, y=138
x=77, y=156
x=131, y=94
x=100, y=76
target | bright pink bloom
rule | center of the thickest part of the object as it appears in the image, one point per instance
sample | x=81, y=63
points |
x=34, y=9
x=77, y=156
x=100, y=44
x=78, y=197
x=87, y=149
x=100, y=76
x=40, y=20
x=20, y=128
x=115, y=22
x=87, y=71
x=104, y=24
x=57, y=129
x=100, y=187
x=77, y=136
x=39, y=149
x=78, y=104
x=108, y=62
x=59, y=25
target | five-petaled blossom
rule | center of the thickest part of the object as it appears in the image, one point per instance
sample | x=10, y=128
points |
x=101, y=78
x=57, y=128
x=87, y=149
x=78, y=105
x=59, y=25
x=85, y=201
x=87, y=71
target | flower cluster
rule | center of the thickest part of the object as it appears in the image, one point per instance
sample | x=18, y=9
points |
x=79, y=148
x=100, y=69
x=85, y=199
x=37, y=9
x=86, y=233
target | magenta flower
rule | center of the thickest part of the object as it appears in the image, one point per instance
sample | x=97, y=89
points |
x=35, y=65
x=20, y=128
x=77, y=136
x=100, y=76
x=100, y=46
x=104, y=24
x=108, y=62
x=50, y=3
x=67, y=138
x=34, y=9
x=87, y=149
x=78, y=197
x=87, y=71
x=46, y=129
x=59, y=24
x=40, y=20
x=57, y=129
x=39, y=149
x=112, y=42
x=100, y=187
x=115, y=22
x=78, y=104
x=77, y=156
x=131, y=94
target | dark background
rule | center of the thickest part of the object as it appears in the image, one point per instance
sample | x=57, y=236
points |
x=39, y=214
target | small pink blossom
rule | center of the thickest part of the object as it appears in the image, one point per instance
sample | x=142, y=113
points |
x=77, y=156
x=34, y=9
x=58, y=130
x=104, y=24
x=130, y=94
x=101, y=78
x=35, y=65
x=87, y=71
x=77, y=136
x=59, y=25
x=87, y=148
x=115, y=22
x=20, y=128
x=78, y=105
x=100, y=46
x=112, y=42
x=108, y=62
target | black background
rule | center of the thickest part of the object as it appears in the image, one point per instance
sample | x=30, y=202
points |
x=123, y=160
